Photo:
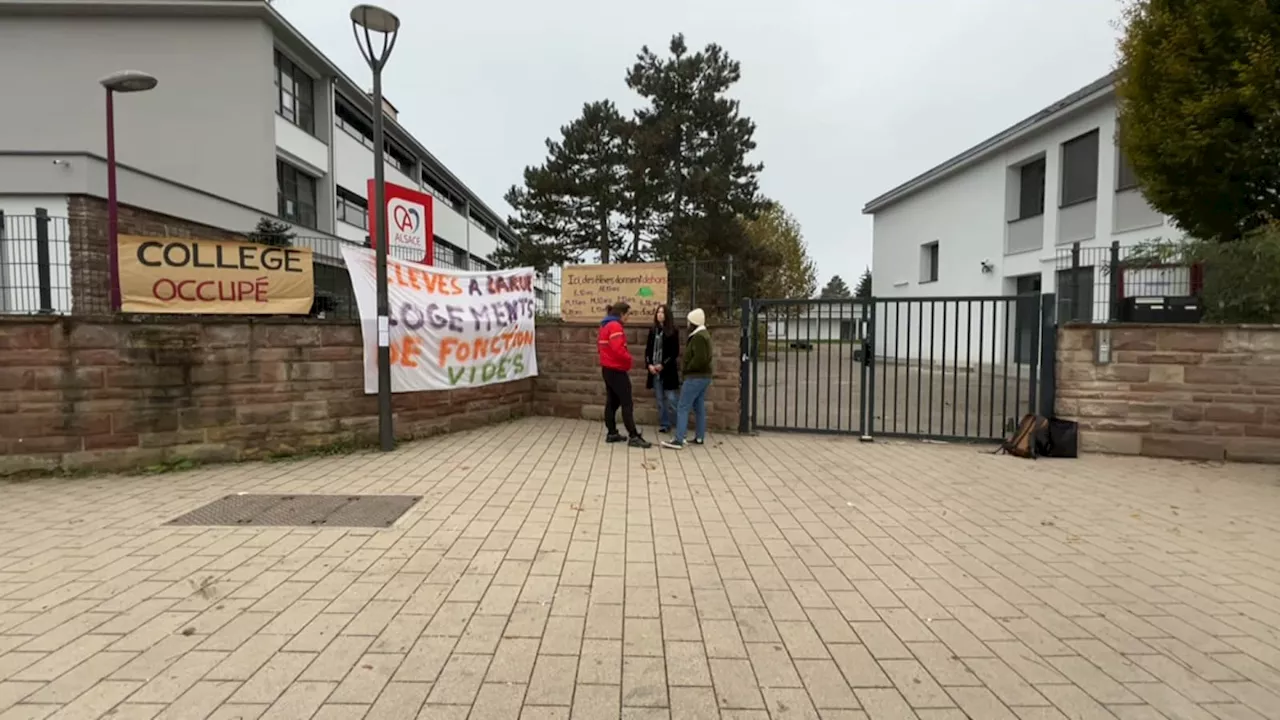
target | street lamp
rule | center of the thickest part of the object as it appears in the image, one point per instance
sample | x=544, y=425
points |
x=125, y=81
x=374, y=20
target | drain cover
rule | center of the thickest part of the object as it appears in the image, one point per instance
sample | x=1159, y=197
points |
x=301, y=511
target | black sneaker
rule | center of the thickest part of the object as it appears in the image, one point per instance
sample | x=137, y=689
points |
x=639, y=442
x=614, y=438
x=698, y=441
x=673, y=444
x=664, y=430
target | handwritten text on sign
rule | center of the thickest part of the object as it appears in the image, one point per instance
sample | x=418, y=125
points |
x=447, y=328
x=588, y=289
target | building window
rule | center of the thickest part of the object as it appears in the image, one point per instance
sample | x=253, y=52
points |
x=295, y=94
x=1126, y=179
x=1080, y=169
x=354, y=124
x=353, y=209
x=1031, y=189
x=400, y=159
x=435, y=188
x=449, y=255
x=295, y=195
x=929, y=262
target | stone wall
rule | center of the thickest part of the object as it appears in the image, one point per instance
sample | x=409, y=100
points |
x=124, y=393
x=569, y=383
x=87, y=221
x=1186, y=391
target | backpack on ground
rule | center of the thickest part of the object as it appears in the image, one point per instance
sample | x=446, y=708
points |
x=1027, y=440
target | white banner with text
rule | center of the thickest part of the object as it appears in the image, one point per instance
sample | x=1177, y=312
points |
x=447, y=329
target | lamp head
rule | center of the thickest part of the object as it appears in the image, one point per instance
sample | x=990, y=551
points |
x=126, y=81
x=374, y=18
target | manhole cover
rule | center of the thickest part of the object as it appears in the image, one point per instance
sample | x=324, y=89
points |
x=301, y=511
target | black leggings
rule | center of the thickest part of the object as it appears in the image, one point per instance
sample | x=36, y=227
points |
x=617, y=385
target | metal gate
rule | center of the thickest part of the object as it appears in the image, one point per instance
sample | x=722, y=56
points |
x=960, y=368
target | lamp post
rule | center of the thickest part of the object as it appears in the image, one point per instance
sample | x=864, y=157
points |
x=125, y=81
x=374, y=20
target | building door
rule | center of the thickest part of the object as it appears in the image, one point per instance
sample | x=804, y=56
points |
x=1026, y=320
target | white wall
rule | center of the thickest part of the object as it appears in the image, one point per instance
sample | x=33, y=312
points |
x=967, y=213
x=208, y=123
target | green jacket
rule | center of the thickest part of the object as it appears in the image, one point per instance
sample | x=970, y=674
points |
x=698, y=354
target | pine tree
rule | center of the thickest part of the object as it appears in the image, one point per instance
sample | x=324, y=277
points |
x=691, y=144
x=572, y=204
x=270, y=231
x=777, y=237
x=836, y=289
x=863, y=291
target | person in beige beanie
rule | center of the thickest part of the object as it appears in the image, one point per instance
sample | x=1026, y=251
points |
x=698, y=367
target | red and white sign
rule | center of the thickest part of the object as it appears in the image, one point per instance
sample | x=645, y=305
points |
x=410, y=223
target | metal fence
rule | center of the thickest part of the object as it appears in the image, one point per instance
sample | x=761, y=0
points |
x=952, y=368
x=1115, y=285
x=35, y=265
x=44, y=270
x=715, y=286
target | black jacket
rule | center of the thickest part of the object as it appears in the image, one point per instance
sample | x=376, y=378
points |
x=668, y=356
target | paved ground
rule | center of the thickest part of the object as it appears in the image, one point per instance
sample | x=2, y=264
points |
x=549, y=576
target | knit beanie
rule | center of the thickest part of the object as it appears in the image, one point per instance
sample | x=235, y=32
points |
x=697, y=318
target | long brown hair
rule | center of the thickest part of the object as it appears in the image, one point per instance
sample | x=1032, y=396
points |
x=668, y=323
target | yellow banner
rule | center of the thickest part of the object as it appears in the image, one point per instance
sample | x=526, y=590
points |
x=214, y=277
x=587, y=289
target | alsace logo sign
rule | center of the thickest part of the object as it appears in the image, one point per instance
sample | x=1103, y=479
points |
x=410, y=231
x=407, y=223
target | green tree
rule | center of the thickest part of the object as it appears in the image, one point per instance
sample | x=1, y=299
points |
x=691, y=144
x=1200, y=111
x=573, y=204
x=836, y=289
x=863, y=291
x=776, y=236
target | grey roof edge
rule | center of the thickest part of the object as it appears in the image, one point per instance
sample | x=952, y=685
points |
x=352, y=92
x=1096, y=89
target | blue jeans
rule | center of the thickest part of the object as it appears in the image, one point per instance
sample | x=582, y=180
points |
x=666, y=403
x=693, y=397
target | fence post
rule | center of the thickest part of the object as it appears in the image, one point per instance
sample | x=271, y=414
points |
x=1048, y=356
x=693, y=284
x=730, y=303
x=42, y=261
x=1114, y=271
x=1037, y=336
x=744, y=369
x=4, y=290
x=1075, y=282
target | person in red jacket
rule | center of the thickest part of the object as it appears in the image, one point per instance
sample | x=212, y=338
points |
x=615, y=366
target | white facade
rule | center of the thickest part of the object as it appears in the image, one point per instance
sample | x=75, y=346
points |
x=212, y=141
x=964, y=229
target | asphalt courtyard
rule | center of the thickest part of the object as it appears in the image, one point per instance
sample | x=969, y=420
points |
x=547, y=575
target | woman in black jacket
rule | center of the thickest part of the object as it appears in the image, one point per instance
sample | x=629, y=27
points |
x=661, y=351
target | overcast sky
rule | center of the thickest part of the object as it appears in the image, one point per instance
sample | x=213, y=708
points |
x=850, y=97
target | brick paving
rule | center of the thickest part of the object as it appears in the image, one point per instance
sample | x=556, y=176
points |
x=547, y=575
